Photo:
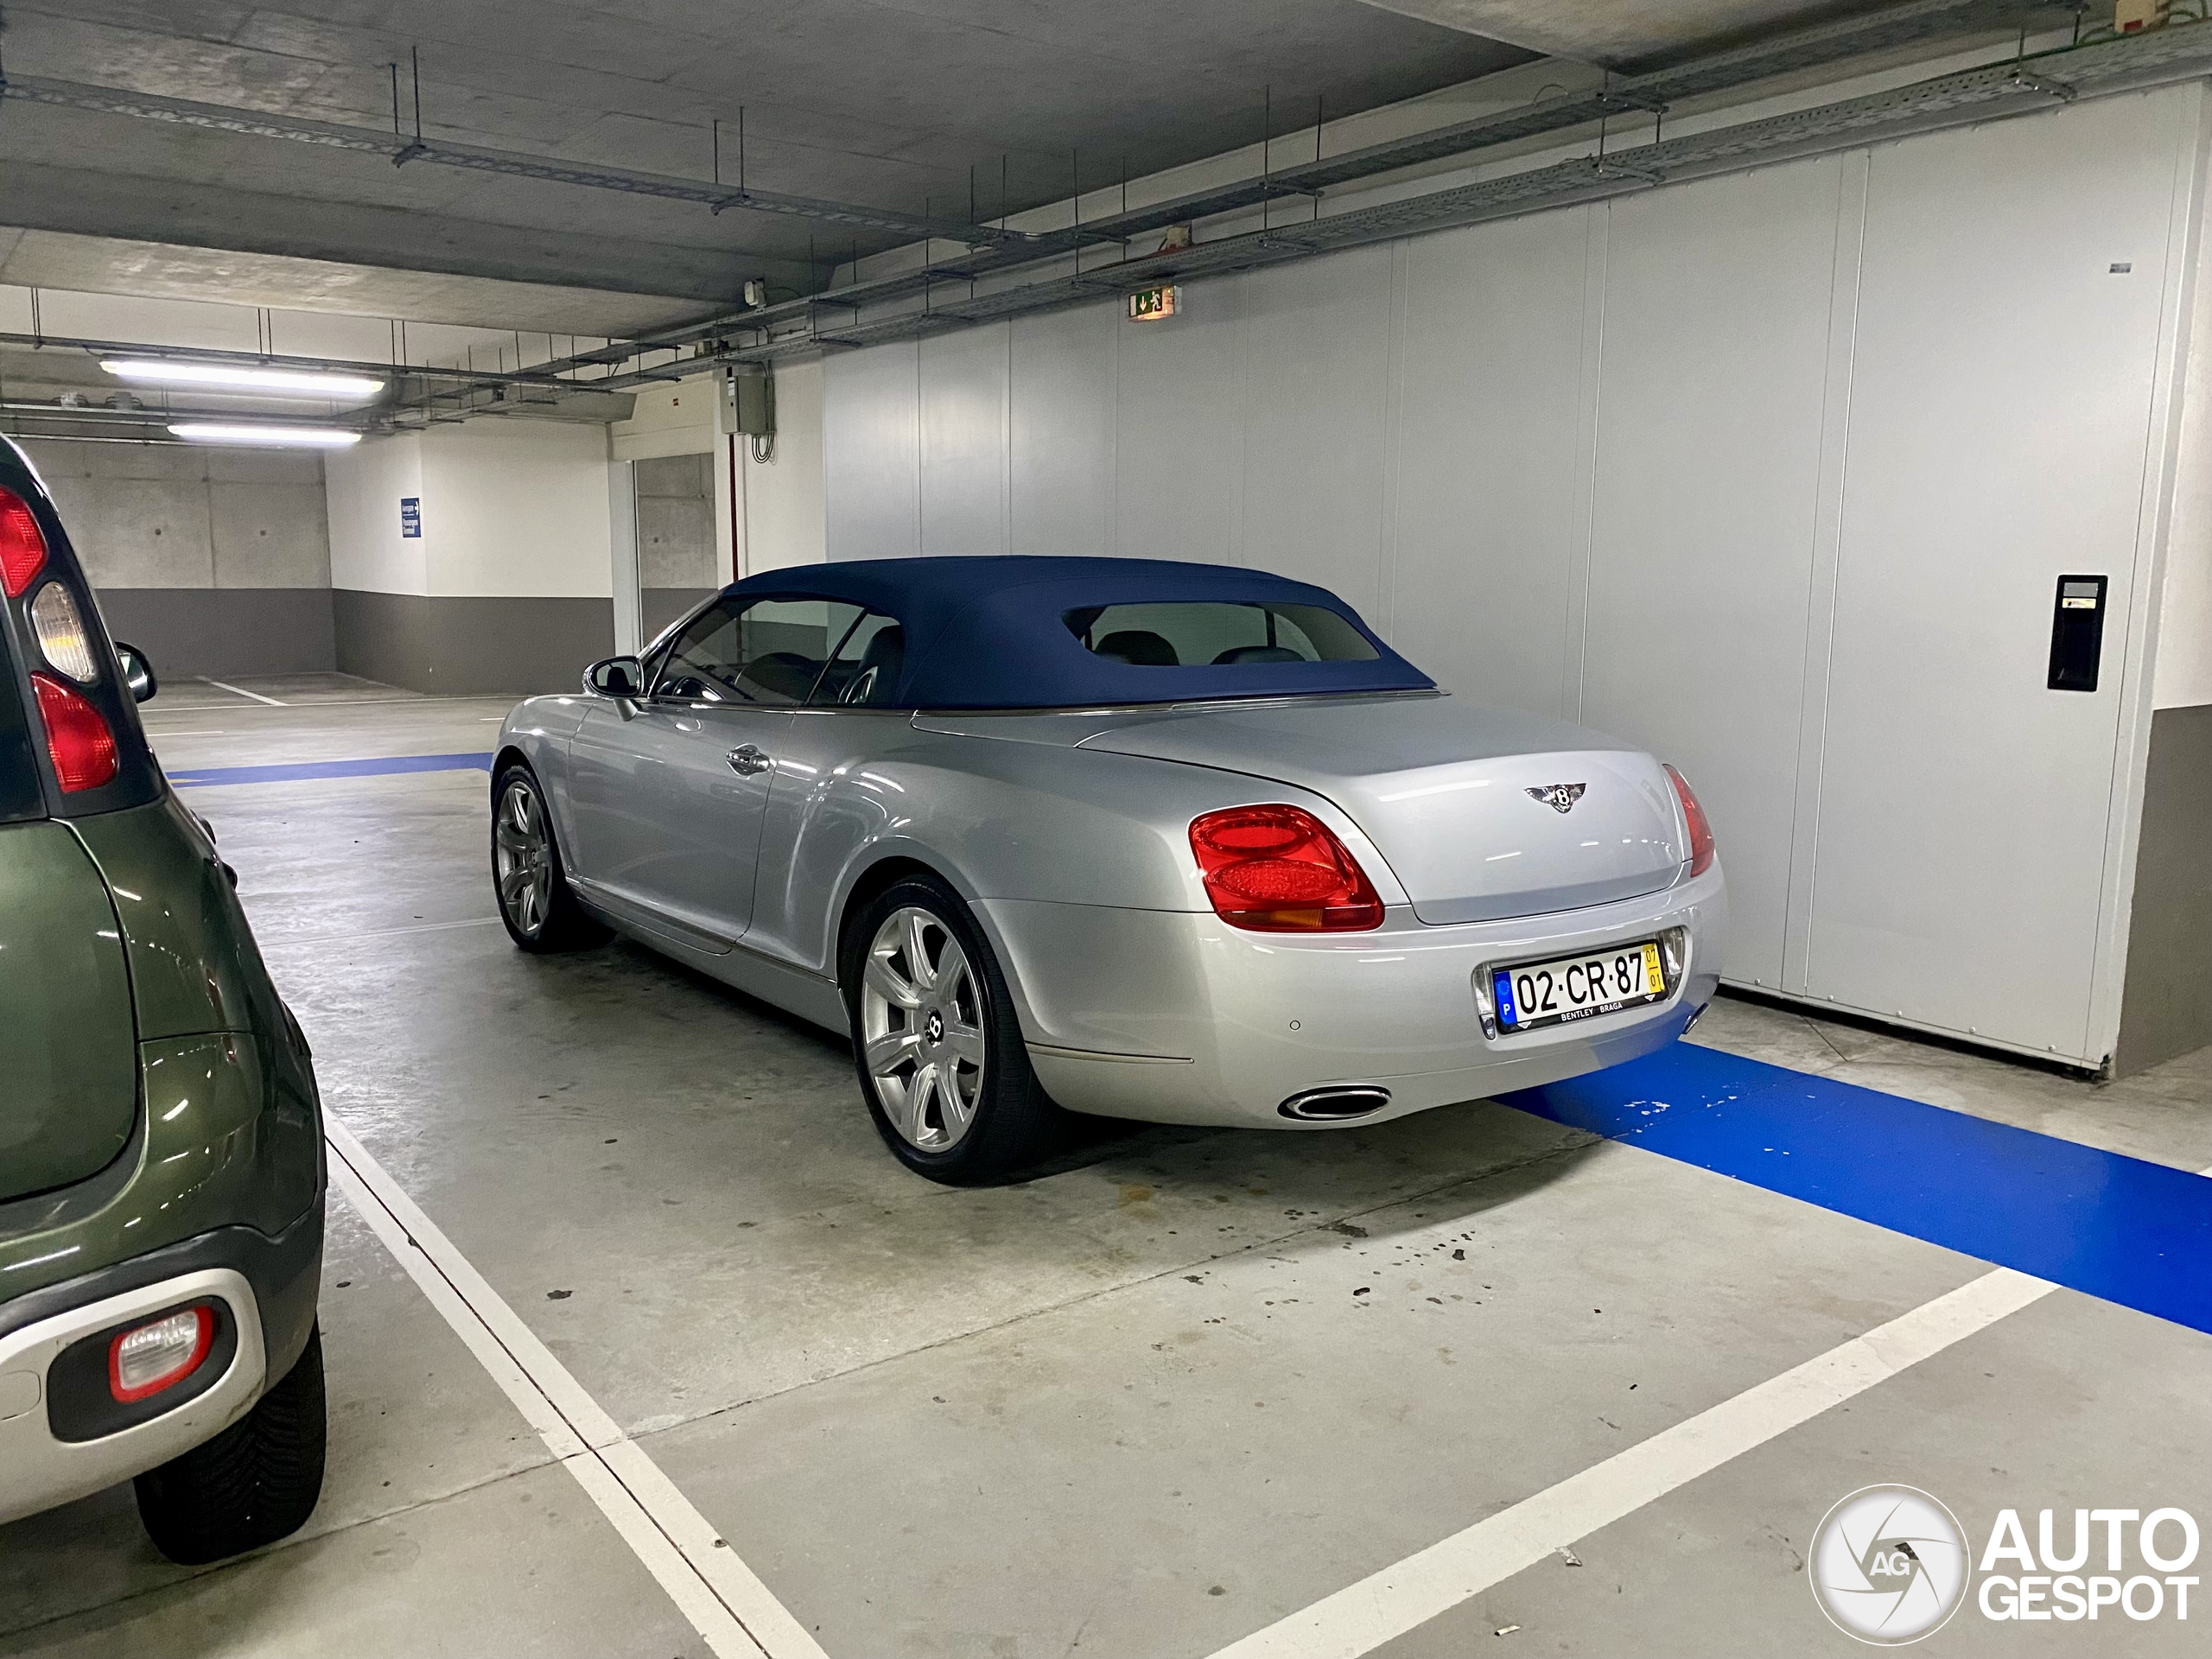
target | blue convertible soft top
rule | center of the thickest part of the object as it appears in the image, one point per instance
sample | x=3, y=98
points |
x=991, y=632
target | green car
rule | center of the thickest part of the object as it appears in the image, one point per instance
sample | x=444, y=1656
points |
x=161, y=1137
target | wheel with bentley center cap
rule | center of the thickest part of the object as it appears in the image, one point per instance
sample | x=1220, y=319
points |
x=528, y=878
x=935, y=1040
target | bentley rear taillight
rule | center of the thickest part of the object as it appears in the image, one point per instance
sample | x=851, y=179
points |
x=22, y=545
x=1278, y=869
x=76, y=739
x=1693, y=814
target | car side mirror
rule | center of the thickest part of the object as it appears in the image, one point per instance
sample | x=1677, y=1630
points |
x=138, y=672
x=616, y=677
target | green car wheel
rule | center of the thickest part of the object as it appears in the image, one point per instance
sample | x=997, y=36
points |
x=253, y=1484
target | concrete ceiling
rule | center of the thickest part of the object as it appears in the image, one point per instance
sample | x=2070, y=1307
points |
x=884, y=102
x=1621, y=34
x=167, y=271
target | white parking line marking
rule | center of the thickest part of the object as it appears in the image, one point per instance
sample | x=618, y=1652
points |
x=224, y=685
x=1384, y=1605
x=274, y=942
x=729, y=1607
x=215, y=731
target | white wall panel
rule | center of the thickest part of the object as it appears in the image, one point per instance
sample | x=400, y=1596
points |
x=1716, y=333
x=783, y=494
x=2004, y=384
x=2185, y=618
x=1485, y=456
x=871, y=467
x=364, y=486
x=1316, y=381
x=1062, y=430
x=670, y=420
x=1179, y=489
x=516, y=507
x=963, y=441
x=1773, y=473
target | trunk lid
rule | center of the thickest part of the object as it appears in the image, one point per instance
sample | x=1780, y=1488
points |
x=1456, y=796
x=68, y=1046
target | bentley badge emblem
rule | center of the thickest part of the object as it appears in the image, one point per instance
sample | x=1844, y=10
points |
x=1560, y=797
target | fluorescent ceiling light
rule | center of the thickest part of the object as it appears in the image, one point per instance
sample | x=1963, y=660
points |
x=296, y=383
x=313, y=437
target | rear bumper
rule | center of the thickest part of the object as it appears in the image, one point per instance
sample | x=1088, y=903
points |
x=270, y=1286
x=1175, y=1017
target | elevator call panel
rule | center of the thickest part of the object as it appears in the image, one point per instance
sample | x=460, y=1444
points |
x=2077, y=634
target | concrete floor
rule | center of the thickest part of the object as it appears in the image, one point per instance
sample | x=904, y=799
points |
x=1142, y=1406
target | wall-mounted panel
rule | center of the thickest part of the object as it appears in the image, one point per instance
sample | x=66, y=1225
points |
x=963, y=441
x=871, y=462
x=2008, y=346
x=1317, y=368
x=1485, y=456
x=1178, y=488
x=1062, y=430
x=1715, y=354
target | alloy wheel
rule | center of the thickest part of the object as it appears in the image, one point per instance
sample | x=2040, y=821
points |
x=922, y=1029
x=523, y=857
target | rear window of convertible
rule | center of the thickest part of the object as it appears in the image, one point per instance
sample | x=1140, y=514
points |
x=1218, y=633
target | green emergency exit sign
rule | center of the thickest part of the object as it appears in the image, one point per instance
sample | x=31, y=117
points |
x=1152, y=304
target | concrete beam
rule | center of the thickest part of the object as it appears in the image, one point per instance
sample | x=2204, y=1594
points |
x=145, y=211
x=1616, y=33
x=60, y=261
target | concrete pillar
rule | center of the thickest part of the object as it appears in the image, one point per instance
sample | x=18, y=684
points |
x=622, y=556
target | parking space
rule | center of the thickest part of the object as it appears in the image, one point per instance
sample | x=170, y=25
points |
x=1172, y=1389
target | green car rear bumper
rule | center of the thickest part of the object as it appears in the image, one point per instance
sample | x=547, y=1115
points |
x=216, y=1196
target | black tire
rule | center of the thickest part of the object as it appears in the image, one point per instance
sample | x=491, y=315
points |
x=256, y=1481
x=1012, y=1123
x=530, y=883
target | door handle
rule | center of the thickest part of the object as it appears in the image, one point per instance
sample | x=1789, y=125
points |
x=748, y=758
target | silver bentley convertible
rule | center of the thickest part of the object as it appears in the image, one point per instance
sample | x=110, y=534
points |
x=1152, y=840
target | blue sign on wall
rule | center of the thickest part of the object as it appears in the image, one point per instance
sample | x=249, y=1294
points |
x=410, y=517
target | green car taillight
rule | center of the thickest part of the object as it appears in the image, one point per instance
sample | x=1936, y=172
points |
x=22, y=544
x=76, y=739
x=159, y=1354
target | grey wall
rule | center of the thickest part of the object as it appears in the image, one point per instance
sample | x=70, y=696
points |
x=2168, y=1009
x=464, y=647
x=675, y=537
x=211, y=560
x=226, y=631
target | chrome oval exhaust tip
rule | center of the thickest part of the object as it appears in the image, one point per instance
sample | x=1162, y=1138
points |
x=1336, y=1105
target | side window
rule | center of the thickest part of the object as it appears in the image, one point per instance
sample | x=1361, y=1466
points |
x=769, y=651
x=1220, y=633
x=864, y=674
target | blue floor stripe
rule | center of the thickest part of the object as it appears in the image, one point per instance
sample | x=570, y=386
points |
x=2135, y=1233
x=297, y=771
